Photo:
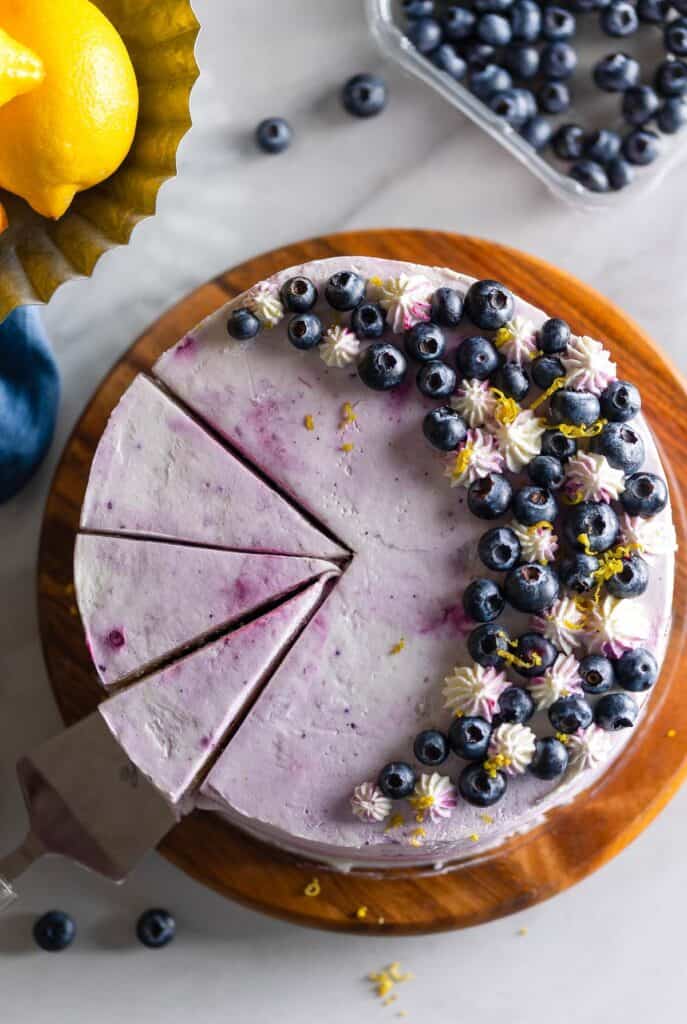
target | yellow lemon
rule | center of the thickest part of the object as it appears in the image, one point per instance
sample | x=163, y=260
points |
x=75, y=128
x=20, y=69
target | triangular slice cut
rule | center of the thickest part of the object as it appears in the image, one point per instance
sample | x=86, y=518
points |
x=157, y=473
x=142, y=600
x=172, y=723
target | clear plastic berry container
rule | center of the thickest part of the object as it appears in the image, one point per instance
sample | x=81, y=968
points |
x=591, y=108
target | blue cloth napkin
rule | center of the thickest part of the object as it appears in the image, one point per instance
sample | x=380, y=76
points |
x=29, y=398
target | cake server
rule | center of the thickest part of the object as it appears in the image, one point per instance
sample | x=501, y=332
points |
x=88, y=802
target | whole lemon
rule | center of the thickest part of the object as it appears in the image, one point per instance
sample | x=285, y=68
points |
x=77, y=126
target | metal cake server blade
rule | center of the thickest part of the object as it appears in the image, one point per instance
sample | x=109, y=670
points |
x=88, y=802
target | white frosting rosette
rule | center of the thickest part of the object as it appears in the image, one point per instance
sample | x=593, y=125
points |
x=538, y=543
x=339, y=347
x=615, y=625
x=654, y=537
x=589, y=748
x=588, y=365
x=563, y=624
x=406, y=299
x=435, y=796
x=264, y=302
x=520, y=440
x=369, y=803
x=560, y=680
x=475, y=402
x=591, y=477
x=517, y=340
x=474, y=690
x=514, y=744
x=477, y=457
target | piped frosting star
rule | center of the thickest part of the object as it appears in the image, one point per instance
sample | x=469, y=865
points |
x=512, y=746
x=520, y=439
x=339, y=347
x=265, y=303
x=434, y=797
x=477, y=457
x=589, y=749
x=369, y=803
x=474, y=690
x=614, y=625
x=538, y=543
x=563, y=624
x=588, y=365
x=561, y=679
x=406, y=299
x=590, y=477
x=517, y=340
x=653, y=537
x=475, y=401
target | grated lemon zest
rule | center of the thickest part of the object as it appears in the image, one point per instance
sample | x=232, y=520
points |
x=361, y=913
x=571, y=430
x=487, y=819
x=462, y=461
x=398, y=647
x=348, y=416
x=671, y=734
x=473, y=837
x=347, y=447
x=313, y=888
x=558, y=383
x=513, y=659
x=309, y=422
x=493, y=765
x=395, y=821
x=507, y=409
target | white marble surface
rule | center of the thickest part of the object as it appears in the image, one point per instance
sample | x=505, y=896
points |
x=609, y=950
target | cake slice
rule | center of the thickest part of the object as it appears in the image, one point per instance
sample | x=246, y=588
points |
x=141, y=600
x=172, y=724
x=157, y=473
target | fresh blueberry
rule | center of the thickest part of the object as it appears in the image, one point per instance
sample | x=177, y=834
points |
x=602, y=145
x=396, y=780
x=522, y=61
x=640, y=104
x=567, y=141
x=492, y=6
x=652, y=12
x=568, y=714
x=431, y=747
x=345, y=290
x=597, y=674
x=479, y=787
x=273, y=135
x=621, y=401
x=305, y=331
x=620, y=173
x=368, y=320
x=459, y=23
x=446, y=59
x=537, y=132
x=425, y=342
x=590, y=175
x=469, y=737
x=364, y=95
x=515, y=705
x=436, y=379
x=554, y=336
x=622, y=446
x=54, y=931
x=550, y=758
x=636, y=670
x=509, y=104
x=617, y=72
x=418, y=8
x=619, y=19
x=525, y=19
x=476, y=358
x=545, y=370
x=478, y=55
x=382, y=366
x=494, y=29
x=675, y=37
x=558, y=60
x=672, y=116
x=546, y=471
x=483, y=600
x=580, y=408
x=156, y=928
x=489, y=496
x=444, y=428
x=531, y=587
x=485, y=643
x=487, y=80
x=577, y=573
x=632, y=580
x=553, y=97
x=425, y=34
x=535, y=648
x=557, y=24
x=554, y=442
x=447, y=307
x=512, y=379
x=645, y=495
x=616, y=711
x=499, y=549
x=489, y=304
x=670, y=78
x=299, y=294
x=243, y=324
x=533, y=504
x=597, y=521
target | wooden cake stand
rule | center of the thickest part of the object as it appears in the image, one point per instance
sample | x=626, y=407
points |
x=575, y=840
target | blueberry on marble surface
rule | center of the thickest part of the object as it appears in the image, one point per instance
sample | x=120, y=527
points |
x=640, y=104
x=597, y=674
x=555, y=442
x=512, y=379
x=274, y=135
x=298, y=294
x=476, y=358
x=622, y=446
x=675, y=37
x=621, y=401
x=447, y=307
x=672, y=116
x=425, y=342
x=568, y=141
x=483, y=600
x=557, y=60
x=469, y=737
x=532, y=504
x=364, y=95
x=645, y=495
x=550, y=758
x=522, y=61
x=537, y=132
x=345, y=290
x=448, y=60
x=481, y=788
x=577, y=573
x=619, y=19
x=594, y=520
x=444, y=428
x=581, y=408
x=425, y=34
x=616, y=711
x=493, y=29
x=557, y=24
x=670, y=78
x=305, y=331
x=485, y=643
x=54, y=931
x=525, y=19
x=537, y=649
x=488, y=80
x=459, y=23
x=499, y=549
x=368, y=320
x=602, y=145
x=591, y=175
x=431, y=747
x=636, y=670
x=553, y=98
x=546, y=471
x=531, y=587
x=490, y=496
x=568, y=714
x=243, y=325
x=554, y=336
x=616, y=72
x=510, y=105
x=156, y=928
x=489, y=304
x=515, y=705
x=382, y=366
x=630, y=581
x=545, y=370
x=436, y=379
x=641, y=147
x=396, y=780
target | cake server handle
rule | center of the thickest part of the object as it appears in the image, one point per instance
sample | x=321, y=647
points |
x=15, y=864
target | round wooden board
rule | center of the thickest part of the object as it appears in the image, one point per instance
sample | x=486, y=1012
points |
x=575, y=840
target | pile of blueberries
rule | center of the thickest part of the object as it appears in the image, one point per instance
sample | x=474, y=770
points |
x=518, y=57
